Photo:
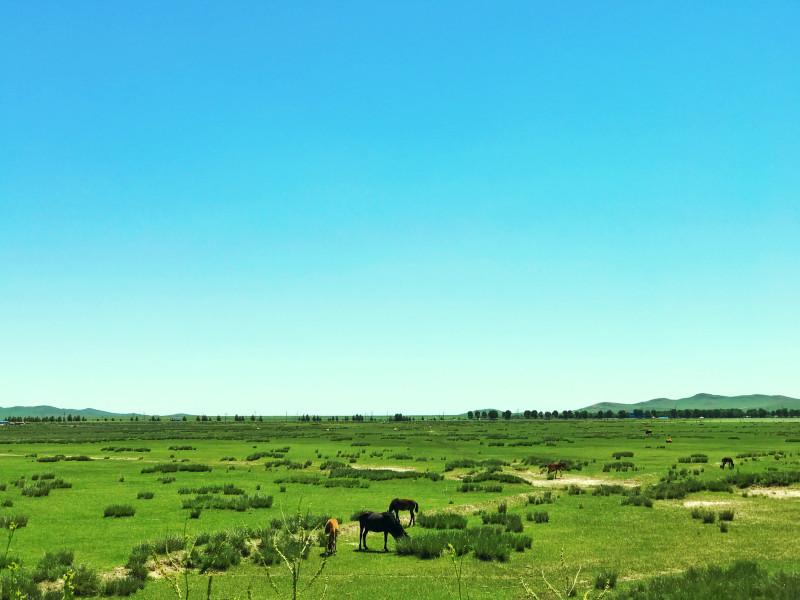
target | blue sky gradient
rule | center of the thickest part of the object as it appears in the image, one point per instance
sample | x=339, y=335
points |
x=416, y=207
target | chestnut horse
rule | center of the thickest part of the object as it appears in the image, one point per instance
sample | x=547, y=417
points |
x=332, y=531
x=555, y=467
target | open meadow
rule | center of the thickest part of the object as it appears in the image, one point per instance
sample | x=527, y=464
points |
x=213, y=498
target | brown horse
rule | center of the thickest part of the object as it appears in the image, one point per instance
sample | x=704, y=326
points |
x=399, y=504
x=332, y=531
x=726, y=460
x=555, y=467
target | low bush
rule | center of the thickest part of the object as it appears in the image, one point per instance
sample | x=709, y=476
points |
x=53, y=565
x=238, y=503
x=545, y=497
x=145, y=495
x=620, y=465
x=511, y=521
x=176, y=467
x=539, y=517
x=442, y=521
x=85, y=581
x=606, y=580
x=119, y=510
x=623, y=454
x=743, y=580
x=726, y=515
x=637, y=500
x=476, y=487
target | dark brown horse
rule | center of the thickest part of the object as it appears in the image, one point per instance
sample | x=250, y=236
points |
x=399, y=504
x=385, y=522
x=726, y=460
x=332, y=532
x=555, y=467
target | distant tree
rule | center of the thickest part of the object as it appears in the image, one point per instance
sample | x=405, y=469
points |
x=493, y=414
x=622, y=413
x=506, y=414
x=484, y=415
x=470, y=414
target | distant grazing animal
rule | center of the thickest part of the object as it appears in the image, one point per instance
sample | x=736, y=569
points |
x=332, y=531
x=399, y=504
x=726, y=460
x=385, y=522
x=648, y=432
x=555, y=467
x=669, y=439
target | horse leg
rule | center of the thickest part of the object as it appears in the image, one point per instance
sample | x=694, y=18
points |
x=385, y=539
x=411, y=524
x=366, y=531
x=360, y=535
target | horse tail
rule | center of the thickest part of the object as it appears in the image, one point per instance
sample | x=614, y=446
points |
x=416, y=507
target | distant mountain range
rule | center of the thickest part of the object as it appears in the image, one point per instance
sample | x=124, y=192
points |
x=53, y=411
x=703, y=402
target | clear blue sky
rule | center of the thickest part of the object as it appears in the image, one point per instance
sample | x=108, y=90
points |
x=417, y=207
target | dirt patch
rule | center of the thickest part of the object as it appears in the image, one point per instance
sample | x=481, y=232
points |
x=774, y=493
x=696, y=503
x=382, y=468
x=541, y=481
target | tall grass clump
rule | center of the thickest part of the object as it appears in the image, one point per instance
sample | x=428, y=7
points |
x=442, y=521
x=119, y=510
x=743, y=580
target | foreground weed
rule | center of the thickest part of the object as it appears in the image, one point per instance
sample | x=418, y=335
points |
x=567, y=589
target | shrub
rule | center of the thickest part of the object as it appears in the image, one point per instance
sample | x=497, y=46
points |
x=219, y=554
x=723, y=526
x=540, y=517
x=606, y=579
x=175, y=467
x=726, y=515
x=706, y=516
x=637, y=500
x=16, y=521
x=145, y=495
x=545, y=498
x=119, y=510
x=743, y=580
x=620, y=465
x=85, y=581
x=575, y=490
x=7, y=503
x=53, y=565
x=123, y=586
x=442, y=521
x=623, y=454
x=512, y=522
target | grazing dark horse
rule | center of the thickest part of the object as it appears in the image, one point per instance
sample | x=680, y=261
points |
x=332, y=532
x=648, y=432
x=554, y=467
x=726, y=460
x=384, y=522
x=399, y=504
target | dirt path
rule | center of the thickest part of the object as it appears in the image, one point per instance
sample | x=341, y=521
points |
x=539, y=480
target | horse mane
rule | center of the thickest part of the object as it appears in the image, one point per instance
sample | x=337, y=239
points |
x=359, y=515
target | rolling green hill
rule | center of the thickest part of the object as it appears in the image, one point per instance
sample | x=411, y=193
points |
x=704, y=401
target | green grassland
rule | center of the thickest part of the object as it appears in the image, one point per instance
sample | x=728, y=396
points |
x=596, y=532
